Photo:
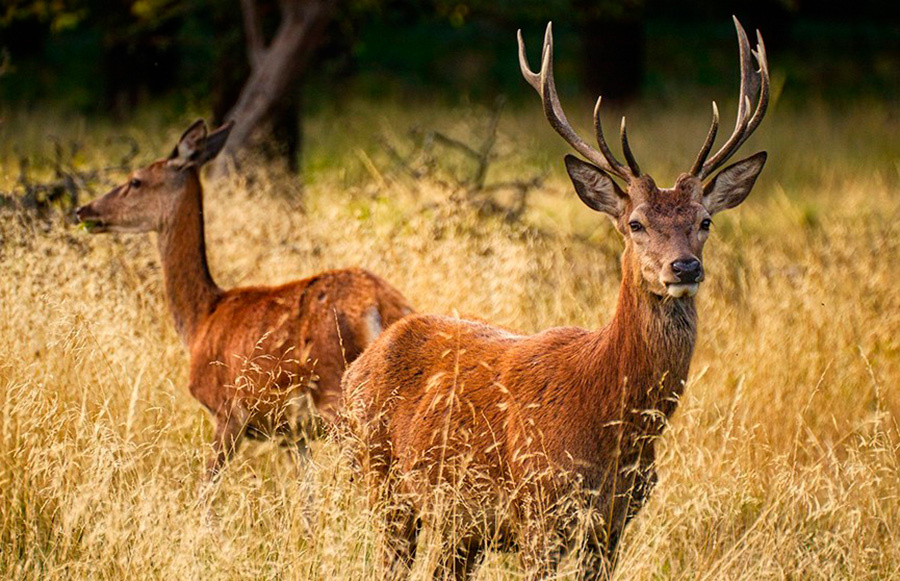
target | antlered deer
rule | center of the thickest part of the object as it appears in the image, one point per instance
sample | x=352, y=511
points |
x=258, y=354
x=556, y=427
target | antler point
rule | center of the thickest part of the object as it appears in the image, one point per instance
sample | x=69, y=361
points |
x=545, y=86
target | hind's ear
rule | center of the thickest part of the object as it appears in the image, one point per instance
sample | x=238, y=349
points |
x=189, y=145
x=196, y=146
x=215, y=141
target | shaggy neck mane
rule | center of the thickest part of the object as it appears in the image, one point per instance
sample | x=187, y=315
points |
x=190, y=289
x=640, y=360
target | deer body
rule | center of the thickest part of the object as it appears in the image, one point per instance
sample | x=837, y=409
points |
x=540, y=435
x=262, y=351
x=438, y=398
x=264, y=360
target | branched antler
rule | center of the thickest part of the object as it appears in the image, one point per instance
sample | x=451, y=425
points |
x=545, y=85
x=752, y=82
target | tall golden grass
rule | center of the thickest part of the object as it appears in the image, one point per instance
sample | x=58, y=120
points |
x=782, y=460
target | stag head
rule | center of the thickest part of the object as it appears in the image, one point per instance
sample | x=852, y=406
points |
x=664, y=228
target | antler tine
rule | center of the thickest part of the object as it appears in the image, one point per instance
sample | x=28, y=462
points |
x=626, y=149
x=545, y=85
x=760, y=55
x=533, y=78
x=748, y=79
x=745, y=125
x=710, y=139
x=601, y=140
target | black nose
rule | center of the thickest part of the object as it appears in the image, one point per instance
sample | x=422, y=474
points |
x=688, y=270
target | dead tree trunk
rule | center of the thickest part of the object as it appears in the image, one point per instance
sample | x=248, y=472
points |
x=272, y=67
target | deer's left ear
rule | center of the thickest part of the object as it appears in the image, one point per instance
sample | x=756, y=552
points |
x=732, y=185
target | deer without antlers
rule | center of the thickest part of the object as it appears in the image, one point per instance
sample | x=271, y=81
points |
x=259, y=355
x=561, y=423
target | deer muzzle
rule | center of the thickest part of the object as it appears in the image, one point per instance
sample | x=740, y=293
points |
x=90, y=219
x=688, y=274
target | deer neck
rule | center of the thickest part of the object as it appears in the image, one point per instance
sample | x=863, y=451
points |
x=190, y=290
x=647, y=347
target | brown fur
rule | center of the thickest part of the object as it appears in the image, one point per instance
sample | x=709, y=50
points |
x=549, y=426
x=434, y=394
x=261, y=357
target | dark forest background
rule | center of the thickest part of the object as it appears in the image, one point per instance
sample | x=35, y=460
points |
x=111, y=58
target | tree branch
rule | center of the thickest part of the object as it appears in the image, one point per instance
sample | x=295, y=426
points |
x=256, y=46
x=303, y=24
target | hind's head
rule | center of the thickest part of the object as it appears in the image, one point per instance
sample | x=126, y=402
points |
x=147, y=200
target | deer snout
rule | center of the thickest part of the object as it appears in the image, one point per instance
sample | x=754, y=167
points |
x=85, y=213
x=688, y=274
x=90, y=219
x=688, y=270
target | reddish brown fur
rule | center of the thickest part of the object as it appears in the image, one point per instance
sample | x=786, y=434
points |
x=568, y=400
x=564, y=421
x=259, y=355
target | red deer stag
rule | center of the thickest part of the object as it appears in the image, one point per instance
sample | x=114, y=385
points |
x=521, y=427
x=259, y=355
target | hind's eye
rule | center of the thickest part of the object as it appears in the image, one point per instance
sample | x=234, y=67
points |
x=135, y=183
x=705, y=224
x=635, y=226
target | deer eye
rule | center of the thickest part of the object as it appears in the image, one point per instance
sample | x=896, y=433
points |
x=705, y=224
x=635, y=226
x=135, y=183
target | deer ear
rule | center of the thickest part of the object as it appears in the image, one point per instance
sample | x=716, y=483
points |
x=596, y=188
x=190, y=146
x=215, y=141
x=732, y=185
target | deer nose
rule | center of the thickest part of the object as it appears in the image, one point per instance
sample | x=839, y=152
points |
x=688, y=270
x=85, y=212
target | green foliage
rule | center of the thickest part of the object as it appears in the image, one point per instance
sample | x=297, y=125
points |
x=99, y=56
x=64, y=15
x=459, y=12
x=59, y=15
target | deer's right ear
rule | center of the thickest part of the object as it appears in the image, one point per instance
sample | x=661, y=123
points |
x=215, y=141
x=596, y=188
x=191, y=144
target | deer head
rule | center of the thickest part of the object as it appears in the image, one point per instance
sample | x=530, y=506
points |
x=149, y=197
x=664, y=228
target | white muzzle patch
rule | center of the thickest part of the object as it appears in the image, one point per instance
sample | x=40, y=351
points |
x=679, y=290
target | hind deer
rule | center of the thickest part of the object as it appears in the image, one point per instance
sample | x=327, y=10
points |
x=264, y=360
x=562, y=423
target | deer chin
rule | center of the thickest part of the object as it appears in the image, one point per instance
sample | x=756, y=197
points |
x=680, y=290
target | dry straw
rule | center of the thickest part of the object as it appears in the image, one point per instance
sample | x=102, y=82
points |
x=781, y=462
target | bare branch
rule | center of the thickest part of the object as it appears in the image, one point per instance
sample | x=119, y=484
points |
x=256, y=46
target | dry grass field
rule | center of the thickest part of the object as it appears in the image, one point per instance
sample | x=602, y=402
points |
x=782, y=461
